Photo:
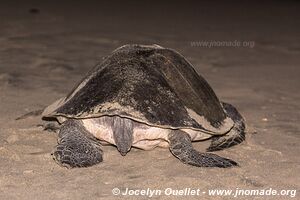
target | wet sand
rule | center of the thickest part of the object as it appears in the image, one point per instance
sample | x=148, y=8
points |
x=47, y=48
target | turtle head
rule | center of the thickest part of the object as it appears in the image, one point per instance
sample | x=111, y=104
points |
x=123, y=134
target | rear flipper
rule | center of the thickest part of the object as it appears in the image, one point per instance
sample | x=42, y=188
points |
x=181, y=147
x=236, y=134
x=76, y=147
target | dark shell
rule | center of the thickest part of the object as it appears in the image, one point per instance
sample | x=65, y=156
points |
x=149, y=84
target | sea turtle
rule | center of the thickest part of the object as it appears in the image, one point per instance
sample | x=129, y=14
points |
x=144, y=96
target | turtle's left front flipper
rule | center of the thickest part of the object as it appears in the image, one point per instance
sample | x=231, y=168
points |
x=76, y=146
x=235, y=136
x=181, y=147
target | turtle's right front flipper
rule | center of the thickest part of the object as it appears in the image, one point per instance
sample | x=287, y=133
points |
x=76, y=146
x=181, y=147
x=235, y=136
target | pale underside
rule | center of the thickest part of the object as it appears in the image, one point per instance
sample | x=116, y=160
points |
x=144, y=136
x=101, y=111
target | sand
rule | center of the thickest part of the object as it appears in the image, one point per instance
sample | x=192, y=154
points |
x=45, y=49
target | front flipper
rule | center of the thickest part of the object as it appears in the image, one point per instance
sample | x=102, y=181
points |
x=181, y=147
x=235, y=136
x=76, y=146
